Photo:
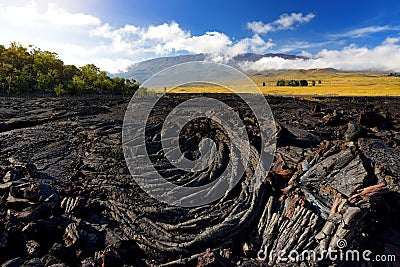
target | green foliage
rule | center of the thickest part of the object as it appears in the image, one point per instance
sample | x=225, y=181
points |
x=59, y=90
x=281, y=83
x=303, y=83
x=291, y=83
x=294, y=83
x=31, y=71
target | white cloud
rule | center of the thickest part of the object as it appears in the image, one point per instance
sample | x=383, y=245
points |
x=385, y=56
x=361, y=32
x=30, y=15
x=254, y=44
x=113, y=65
x=159, y=33
x=299, y=45
x=133, y=40
x=210, y=42
x=165, y=32
x=170, y=38
x=259, y=27
x=106, y=31
x=55, y=15
x=284, y=22
x=391, y=40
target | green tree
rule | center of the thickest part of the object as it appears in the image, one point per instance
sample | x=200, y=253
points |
x=293, y=83
x=303, y=83
x=32, y=71
x=89, y=75
x=68, y=72
x=281, y=83
x=78, y=85
x=59, y=90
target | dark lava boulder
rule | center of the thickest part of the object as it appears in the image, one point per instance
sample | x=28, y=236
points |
x=371, y=119
x=291, y=136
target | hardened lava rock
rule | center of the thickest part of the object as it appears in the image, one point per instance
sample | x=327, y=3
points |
x=68, y=199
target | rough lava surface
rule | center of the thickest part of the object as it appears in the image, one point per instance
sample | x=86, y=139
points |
x=68, y=199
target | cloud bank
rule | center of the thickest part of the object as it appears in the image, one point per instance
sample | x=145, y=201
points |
x=385, y=57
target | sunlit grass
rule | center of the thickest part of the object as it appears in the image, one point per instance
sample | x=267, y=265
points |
x=202, y=89
x=332, y=84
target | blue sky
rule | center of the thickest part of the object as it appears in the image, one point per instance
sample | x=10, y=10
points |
x=348, y=35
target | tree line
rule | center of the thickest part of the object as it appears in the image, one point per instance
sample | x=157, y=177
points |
x=31, y=71
x=295, y=82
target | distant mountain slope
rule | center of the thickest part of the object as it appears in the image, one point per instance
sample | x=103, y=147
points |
x=141, y=71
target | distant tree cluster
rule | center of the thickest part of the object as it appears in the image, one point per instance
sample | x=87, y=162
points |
x=292, y=83
x=394, y=74
x=295, y=82
x=31, y=71
x=313, y=82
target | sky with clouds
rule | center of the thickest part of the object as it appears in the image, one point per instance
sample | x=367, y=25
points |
x=347, y=35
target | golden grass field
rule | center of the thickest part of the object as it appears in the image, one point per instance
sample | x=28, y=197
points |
x=332, y=84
